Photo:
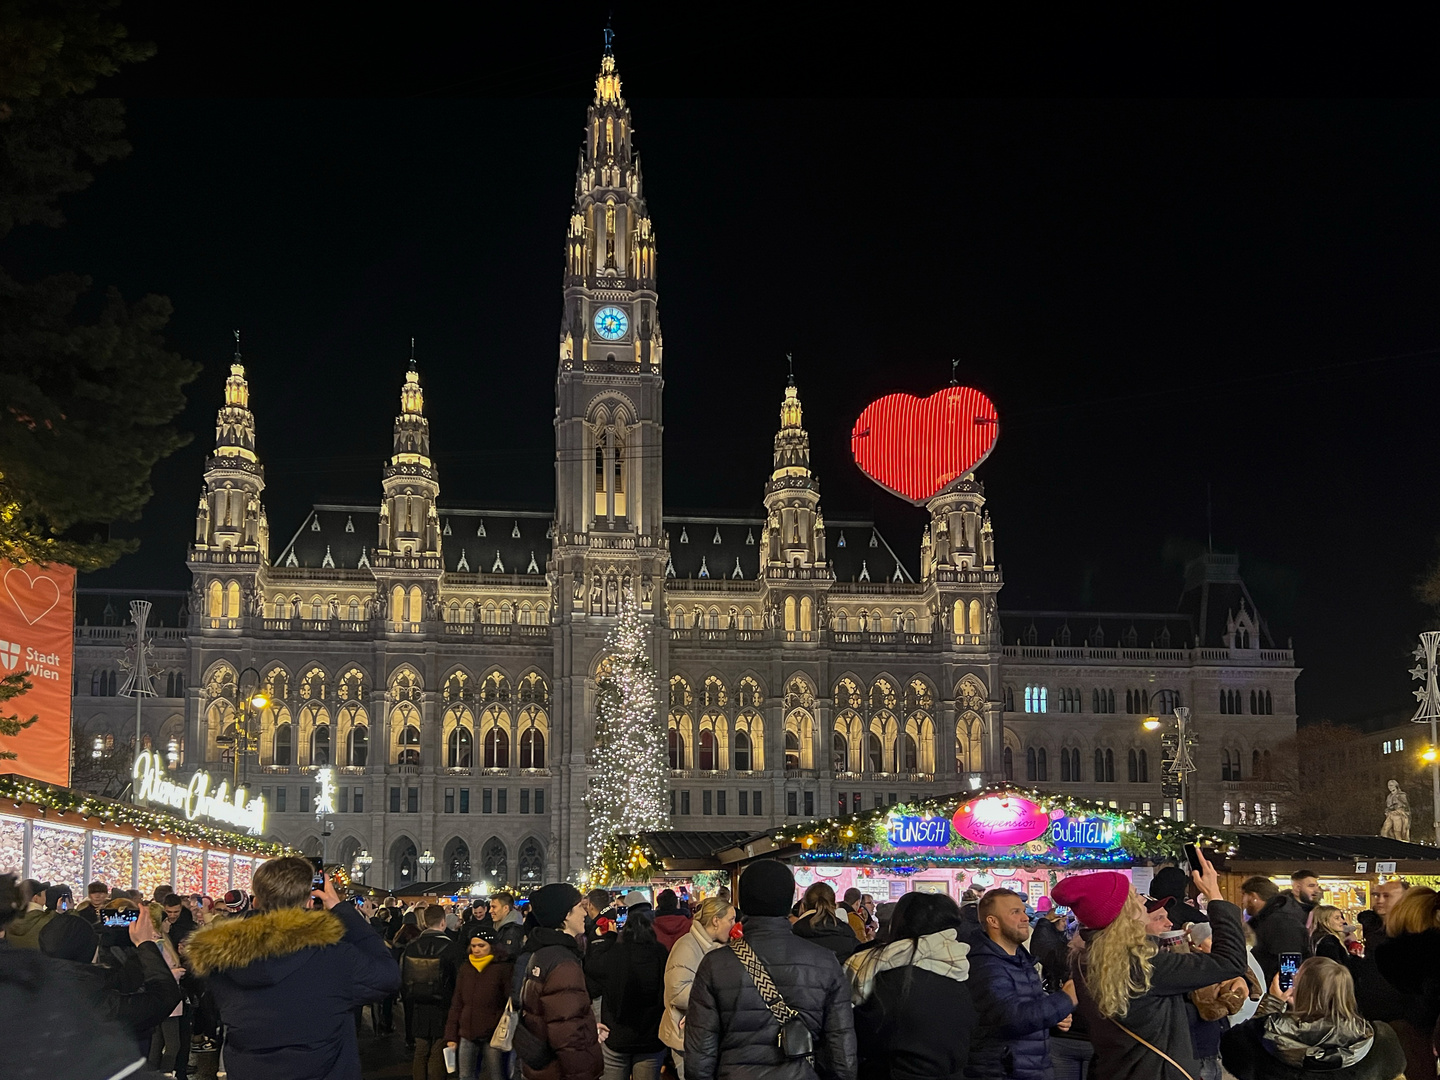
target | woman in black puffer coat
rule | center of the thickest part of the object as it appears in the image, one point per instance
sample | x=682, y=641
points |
x=630, y=978
x=919, y=972
x=821, y=922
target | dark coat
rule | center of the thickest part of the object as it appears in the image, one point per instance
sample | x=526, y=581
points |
x=1280, y=928
x=631, y=981
x=479, y=1001
x=896, y=1028
x=729, y=1032
x=835, y=935
x=139, y=992
x=1411, y=964
x=1244, y=1054
x=555, y=1007
x=1374, y=994
x=1331, y=947
x=1160, y=1017
x=183, y=926
x=509, y=937
x=427, y=982
x=287, y=983
x=1013, y=1013
x=1051, y=951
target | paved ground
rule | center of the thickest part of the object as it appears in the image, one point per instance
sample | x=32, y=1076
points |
x=384, y=1057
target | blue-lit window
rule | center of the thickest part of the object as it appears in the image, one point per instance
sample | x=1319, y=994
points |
x=1035, y=699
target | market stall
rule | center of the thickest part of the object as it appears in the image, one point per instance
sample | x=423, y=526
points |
x=1000, y=836
x=59, y=835
x=1348, y=867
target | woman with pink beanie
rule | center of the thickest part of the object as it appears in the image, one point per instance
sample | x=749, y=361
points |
x=1132, y=995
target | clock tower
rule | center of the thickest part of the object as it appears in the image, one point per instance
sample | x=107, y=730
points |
x=609, y=537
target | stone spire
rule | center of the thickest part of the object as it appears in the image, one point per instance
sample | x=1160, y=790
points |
x=409, y=521
x=231, y=517
x=795, y=529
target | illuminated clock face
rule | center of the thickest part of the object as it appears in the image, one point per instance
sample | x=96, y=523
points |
x=611, y=323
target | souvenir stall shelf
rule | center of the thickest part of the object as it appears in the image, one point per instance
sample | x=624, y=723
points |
x=998, y=836
x=59, y=835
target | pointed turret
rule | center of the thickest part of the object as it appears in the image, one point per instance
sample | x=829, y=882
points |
x=231, y=516
x=795, y=534
x=409, y=522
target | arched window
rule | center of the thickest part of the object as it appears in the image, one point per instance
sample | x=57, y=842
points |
x=1225, y=765
x=1144, y=767
x=1030, y=765
x=1042, y=771
x=707, y=751
x=1109, y=766
x=1132, y=767
x=459, y=749
x=496, y=864
x=840, y=752
x=532, y=749
x=1254, y=706
x=320, y=746
x=532, y=863
x=1009, y=699
x=1269, y=703
x=1265, y=766
x=1099, y=766
x=677, y=749
x=359, y=749
x=909, y=754
x=742, y=752
x=457, y=860
x=1255, y=771
x=409, y=746
x=875, y=752
x=1009, y=761
x=284, y=745
x=497, y=748
x=1065, y=775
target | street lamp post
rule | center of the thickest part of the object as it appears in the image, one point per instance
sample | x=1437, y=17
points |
x=1429, y=712
x=250, y=701
x=426, y=861
x=363, y=861
x=1178, y=745
x=138, y=684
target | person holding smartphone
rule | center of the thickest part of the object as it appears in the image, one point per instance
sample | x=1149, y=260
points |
x=1132, y=996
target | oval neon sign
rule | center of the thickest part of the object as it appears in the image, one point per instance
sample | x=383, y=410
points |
x=1001, y=821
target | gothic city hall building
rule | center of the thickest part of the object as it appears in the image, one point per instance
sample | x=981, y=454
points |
x=445, y=660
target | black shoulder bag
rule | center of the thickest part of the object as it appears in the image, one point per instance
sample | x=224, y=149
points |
x=795, y=1039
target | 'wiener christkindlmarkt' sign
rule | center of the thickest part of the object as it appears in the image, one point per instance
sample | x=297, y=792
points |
x=196, y=800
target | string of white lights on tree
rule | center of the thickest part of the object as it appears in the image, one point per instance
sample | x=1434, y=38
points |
x=628, y=792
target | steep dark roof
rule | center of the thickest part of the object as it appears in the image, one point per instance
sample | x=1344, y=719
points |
x=1213, y=592
x=1115, y=629
x=111, y=607
x=852, y=546
x=478, y=537
x=1300, y=848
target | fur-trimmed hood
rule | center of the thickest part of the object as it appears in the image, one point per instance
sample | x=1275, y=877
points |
x=263, y=949
x=940, y=953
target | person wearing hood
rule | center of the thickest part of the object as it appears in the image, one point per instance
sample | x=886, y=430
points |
x=558, y=1037
x=288, y=979
x=509, y=926
x=23, y=932
x=671, y=924
x=1317, y=1032
x=1132, y=995
x=822, y=922
x=920, y=971
x=630, y=977
x=708, y=931
x=1282, y=924
x=1172, y=885
x=730, y=1032
x=1408, y=958
x=1013, y=1011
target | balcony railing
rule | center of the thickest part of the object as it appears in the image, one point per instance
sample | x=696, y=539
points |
x=1082, y=654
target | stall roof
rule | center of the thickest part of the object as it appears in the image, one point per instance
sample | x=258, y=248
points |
x=699, y=850
x=1300, y=848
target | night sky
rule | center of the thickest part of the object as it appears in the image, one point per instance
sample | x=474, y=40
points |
x=1164, y=295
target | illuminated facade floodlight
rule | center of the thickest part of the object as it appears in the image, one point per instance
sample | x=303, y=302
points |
x=1152, y=724
x=1430, y=754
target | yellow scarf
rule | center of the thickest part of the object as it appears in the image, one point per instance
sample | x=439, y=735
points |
x=479, y=962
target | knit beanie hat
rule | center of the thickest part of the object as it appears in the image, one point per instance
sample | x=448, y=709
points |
x=1097, y=899
x=552, y=903
x=1169, y=882
x=766, y=888
x=69, y=937
x=236, y=902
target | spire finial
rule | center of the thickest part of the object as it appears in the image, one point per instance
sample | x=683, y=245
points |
x=790, y=359
x=610, y=34
x=412, y=354
x=954, y=372
x=237, y=344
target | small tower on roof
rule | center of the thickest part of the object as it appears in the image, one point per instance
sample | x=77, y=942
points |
x=409, y=521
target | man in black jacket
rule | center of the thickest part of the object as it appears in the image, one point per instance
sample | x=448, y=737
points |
x=1172, y=885
x=730, y=1033
x=427, y=982
x=1281, y=925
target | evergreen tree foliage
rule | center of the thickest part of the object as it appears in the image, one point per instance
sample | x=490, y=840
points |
x=629, y=784
x=12, y=686
x=85, y=401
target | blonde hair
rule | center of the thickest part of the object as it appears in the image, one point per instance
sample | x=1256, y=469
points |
x=711, y=909
x=1323, y=914
x=1116, y=962
x=1324, y=990
x=1417, y=910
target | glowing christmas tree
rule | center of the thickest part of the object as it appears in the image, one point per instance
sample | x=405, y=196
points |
x=628, y=787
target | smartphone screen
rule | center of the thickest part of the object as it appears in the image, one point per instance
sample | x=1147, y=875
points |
x=1192, y=856
x=123, y=917
x=1289, y=964
x=318, y=880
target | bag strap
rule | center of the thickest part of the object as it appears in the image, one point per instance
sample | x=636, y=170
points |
x=1162, y=1053
x=782, y=1012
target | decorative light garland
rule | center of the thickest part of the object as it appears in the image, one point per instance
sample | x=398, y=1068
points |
x=629, y=782
x=863, y=838
x=63, y=801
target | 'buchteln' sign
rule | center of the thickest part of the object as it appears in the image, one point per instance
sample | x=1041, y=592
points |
x=195, y=799
x=1001, y=821
x=918, y=832
x=37, y=637
x=1082, y=833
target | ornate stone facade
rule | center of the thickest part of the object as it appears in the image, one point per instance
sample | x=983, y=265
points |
x=445, y=660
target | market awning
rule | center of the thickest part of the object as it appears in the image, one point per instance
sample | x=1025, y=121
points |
x=1259, y=851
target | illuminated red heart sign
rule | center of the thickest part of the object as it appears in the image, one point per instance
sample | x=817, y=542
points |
x=915, y=447
x=1001, y=821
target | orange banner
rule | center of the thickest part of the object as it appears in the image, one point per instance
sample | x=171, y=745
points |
x=37, y=635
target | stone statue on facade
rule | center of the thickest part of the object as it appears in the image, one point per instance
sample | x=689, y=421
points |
x=1397, y=813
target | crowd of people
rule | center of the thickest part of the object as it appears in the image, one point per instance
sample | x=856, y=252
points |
x=1096, y=981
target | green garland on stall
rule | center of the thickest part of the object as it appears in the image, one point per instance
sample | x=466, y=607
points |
x=623, y=858
x=64, y=801
x=864, y=837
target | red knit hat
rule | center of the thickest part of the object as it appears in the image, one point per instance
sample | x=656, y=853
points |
x=1097, y=899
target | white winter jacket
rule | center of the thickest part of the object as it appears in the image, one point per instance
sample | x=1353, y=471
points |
x=685, y=957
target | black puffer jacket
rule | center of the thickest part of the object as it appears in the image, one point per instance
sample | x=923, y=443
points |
x=427, y=983
x=631, y=979
x=1247, y=1054
x=1280, y=928
x=1411, y=964
x=731, y=1035
x=834, y=934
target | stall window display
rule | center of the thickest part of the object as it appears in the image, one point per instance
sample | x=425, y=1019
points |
x=12, y=845
x=217, y=873
x=154, y=867
x=57, y=853
x=189, y=871
x=112, y=859
x=240, y=875
x=1350, y=895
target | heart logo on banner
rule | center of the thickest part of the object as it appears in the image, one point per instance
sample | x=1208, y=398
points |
x=916, y=447
x=33, y=597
